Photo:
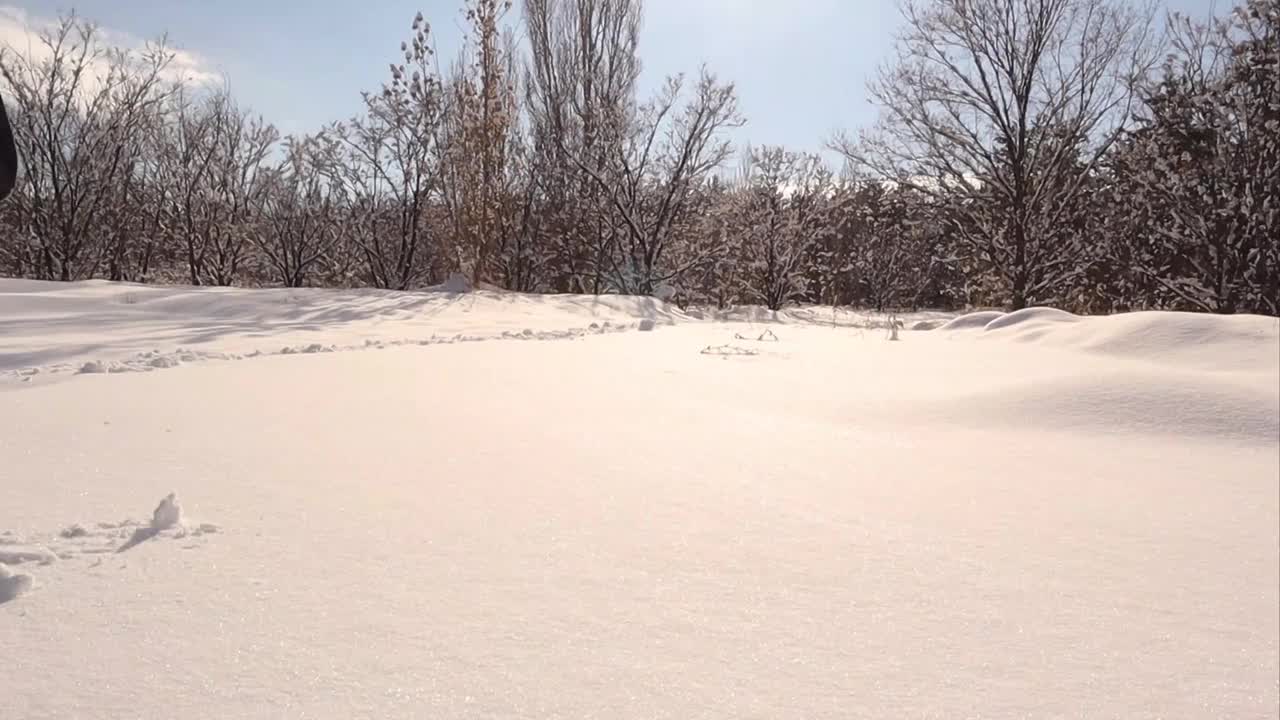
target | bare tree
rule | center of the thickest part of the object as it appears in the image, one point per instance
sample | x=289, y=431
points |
x=669, y=153
x=581, y=98
x=75, y=111
x=479, y=129
x=1007, y=106
x=386, y=165
x=132, y=226
x=210, y=166
x=1199, y=180
x=186, y=154
x=299, y=225
x=238, y=190
x=783, y=206
x=892, y=243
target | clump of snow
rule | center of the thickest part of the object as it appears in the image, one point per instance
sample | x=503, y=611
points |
x=94, y=367
x=167, y=514
x=12, y=584
x=646, y=325
x=926, y=325
x=74, y=531
x=17, y=554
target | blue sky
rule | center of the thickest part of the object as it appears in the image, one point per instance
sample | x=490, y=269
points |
x=800, y=65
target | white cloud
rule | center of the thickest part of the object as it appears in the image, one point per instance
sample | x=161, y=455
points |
x=20, y=32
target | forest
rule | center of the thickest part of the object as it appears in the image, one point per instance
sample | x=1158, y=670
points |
x=1097, y=156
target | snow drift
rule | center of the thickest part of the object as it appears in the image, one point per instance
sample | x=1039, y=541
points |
x=1152, y=372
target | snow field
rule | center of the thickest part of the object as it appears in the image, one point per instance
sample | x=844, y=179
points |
x=1048, y=517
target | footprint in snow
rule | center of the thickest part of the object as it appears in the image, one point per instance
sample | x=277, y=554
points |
x=12, y=584
x=167, y=521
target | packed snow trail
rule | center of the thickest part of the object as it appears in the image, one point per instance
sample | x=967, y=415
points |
x=622, y=526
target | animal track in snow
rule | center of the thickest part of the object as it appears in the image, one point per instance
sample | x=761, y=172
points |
x=152, y=360
x=168, y=522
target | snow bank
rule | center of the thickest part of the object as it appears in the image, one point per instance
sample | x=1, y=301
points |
x=1140, y=373
x=1191, y=339
x=1205, y=342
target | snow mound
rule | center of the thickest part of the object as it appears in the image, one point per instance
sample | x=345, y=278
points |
x=1132, y=373
x=1030, y=317
x=1189, y=340
x=1206, y=342
x=973, y=321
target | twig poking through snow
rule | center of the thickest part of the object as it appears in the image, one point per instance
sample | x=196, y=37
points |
x=728, y=350
x=766, y=336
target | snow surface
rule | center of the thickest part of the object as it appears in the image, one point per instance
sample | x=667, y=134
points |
x=1035, y=515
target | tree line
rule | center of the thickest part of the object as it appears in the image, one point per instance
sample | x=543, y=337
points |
x=1085, y=154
